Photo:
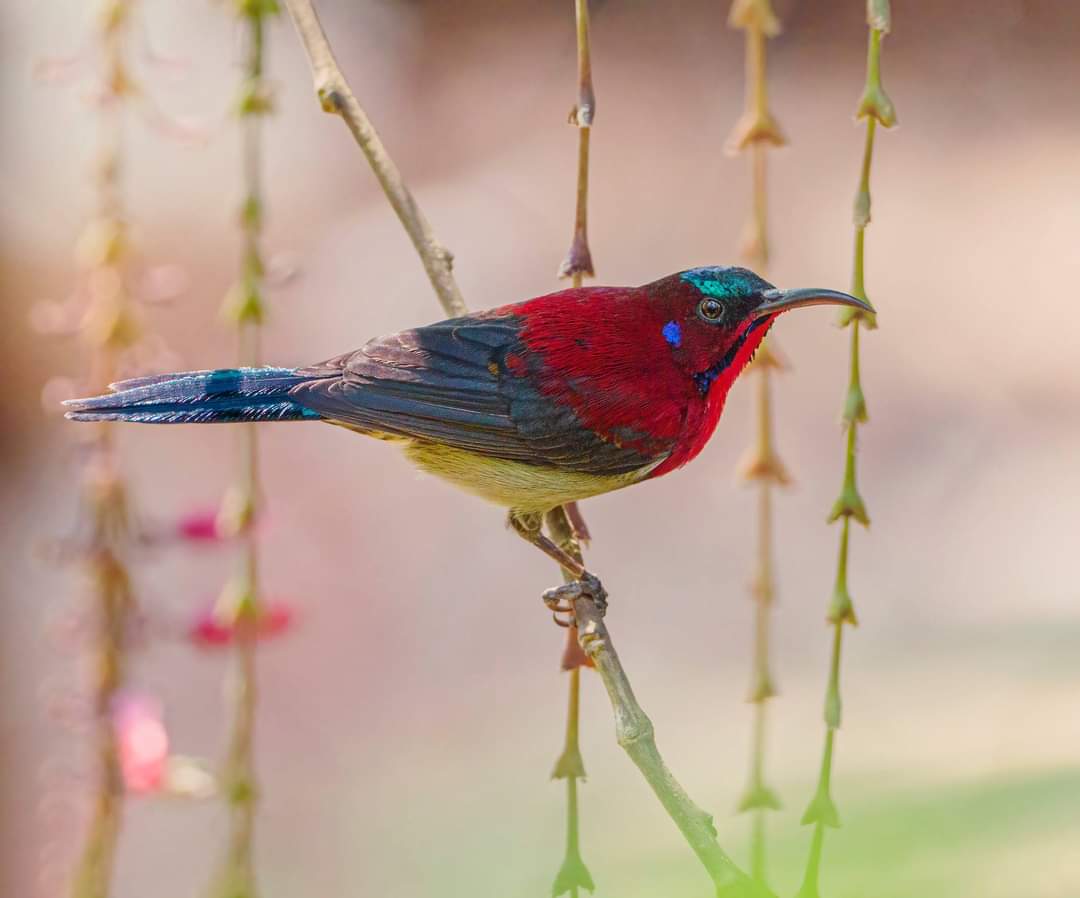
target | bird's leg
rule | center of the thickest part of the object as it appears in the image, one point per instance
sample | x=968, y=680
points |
x=577, y=523
x=560, y=599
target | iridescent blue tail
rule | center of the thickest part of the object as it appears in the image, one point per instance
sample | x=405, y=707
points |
x=224, y=396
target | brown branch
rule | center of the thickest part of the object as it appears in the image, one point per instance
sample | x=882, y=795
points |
x=633, y=728
x=578, y=262
x=336, y=97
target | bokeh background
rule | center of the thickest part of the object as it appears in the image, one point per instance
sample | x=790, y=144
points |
x=409, y=723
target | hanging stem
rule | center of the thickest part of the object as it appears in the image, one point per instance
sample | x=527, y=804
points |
x=242, y=598
x=573, y=875
x=568, y=525
x=93, y=873
x=875, y=107
x=578, y=262
x=108, y=329
x=756, y=131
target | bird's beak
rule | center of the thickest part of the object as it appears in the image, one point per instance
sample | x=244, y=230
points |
x=774, y=301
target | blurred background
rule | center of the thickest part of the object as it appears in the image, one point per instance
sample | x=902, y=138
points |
x=409, y=722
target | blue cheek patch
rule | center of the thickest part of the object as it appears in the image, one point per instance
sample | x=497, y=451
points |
x=672, y=333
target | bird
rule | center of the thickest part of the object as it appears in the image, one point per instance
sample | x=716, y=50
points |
x=531, y=405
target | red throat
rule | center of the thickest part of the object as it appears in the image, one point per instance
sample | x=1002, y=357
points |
x=703, y=413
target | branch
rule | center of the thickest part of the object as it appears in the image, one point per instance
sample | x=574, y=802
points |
x=578, y=262
x=634, y=732
x=633, y=728
x=336, y=97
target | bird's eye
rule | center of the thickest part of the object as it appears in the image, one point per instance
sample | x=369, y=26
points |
x=711, y=310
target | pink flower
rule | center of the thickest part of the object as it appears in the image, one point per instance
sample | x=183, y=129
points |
x=208, y=631
x=199, y=526
x=142, y=742
x=213, y=628
x=234, y=517
x=276, y=618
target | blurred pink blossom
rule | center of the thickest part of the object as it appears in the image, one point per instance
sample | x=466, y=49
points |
x=200, y=526
x=234, y=517
x=212, y=628
x=142, y=742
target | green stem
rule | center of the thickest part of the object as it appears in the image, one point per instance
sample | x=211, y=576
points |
x=874, y=107
x=862, y=211
x=573, y=842
x=758, y=867
x=873, y=57
x=573, y=875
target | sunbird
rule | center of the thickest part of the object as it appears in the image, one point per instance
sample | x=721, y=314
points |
x=531, y=405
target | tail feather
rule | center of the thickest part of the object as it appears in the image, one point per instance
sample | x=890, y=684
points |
x=198, y=397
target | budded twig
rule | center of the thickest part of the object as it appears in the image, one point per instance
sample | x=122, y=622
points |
x=756, y=131
x=876, y=107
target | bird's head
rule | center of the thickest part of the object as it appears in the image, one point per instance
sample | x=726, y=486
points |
x=714, y=318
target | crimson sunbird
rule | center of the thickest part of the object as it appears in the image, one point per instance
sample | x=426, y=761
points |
x=530, y=405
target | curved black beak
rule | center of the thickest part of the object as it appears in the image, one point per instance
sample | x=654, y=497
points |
x=774, y=301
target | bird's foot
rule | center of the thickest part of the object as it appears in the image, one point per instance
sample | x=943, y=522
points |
x=560, y=599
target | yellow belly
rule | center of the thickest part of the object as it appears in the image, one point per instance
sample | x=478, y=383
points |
x=521, y=487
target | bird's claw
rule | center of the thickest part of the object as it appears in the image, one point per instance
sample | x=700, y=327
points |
x=560, y=599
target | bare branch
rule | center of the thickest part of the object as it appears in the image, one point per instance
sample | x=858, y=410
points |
x=578, y=262
x=336, y=97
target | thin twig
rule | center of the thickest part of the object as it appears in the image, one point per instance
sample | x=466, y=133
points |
x=633, y=729
x=336, y=97
x=578, y=262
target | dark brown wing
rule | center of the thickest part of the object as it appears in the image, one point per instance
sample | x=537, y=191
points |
x=448, y=383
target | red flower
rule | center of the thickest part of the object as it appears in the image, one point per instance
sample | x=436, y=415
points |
x=213, y=627
x=235, y=516
x=199, y=526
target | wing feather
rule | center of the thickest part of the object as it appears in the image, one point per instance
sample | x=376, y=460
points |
x=449, y=383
